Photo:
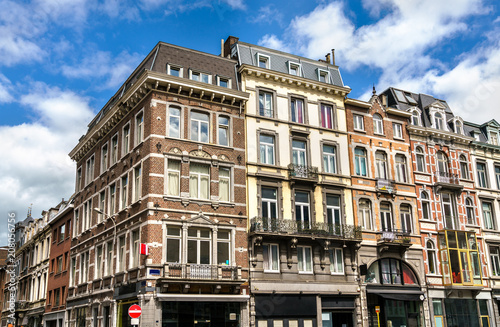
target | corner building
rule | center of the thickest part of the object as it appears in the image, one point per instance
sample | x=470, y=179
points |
x=454, y=253
x=385, y=205
x=164, y=164
x=302, y=238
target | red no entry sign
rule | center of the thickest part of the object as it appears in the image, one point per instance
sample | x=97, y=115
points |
x=134, y=311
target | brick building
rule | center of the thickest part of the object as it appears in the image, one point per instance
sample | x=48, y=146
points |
x=164, y=164
x=4, y=292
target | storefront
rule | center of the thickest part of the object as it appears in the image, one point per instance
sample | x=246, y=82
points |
x=338, y=311
x=285, y=310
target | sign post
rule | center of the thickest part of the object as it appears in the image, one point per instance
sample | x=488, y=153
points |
x=134, y=312
x=377, y=310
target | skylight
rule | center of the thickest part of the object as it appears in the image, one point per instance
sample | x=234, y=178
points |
x=400, y=96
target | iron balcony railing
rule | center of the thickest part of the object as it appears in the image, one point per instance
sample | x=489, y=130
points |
x=302, y=172
x=292, y=227
x=394, y=236
x=443, y=177
x=201, y=271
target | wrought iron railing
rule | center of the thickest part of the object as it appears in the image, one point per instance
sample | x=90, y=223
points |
x=443, y=177
x=292, y=227
x=305, y=172
x=195, y=271
x=394, y=236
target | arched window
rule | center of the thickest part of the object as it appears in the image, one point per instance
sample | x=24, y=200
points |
x=386, y=216
x=420, y=159
x=365, y=214
x=391, y=271
x=438, y=121
x=431, y=258
x=469, y=208
x=464, y=167
x=381, y=164
x=426, y=206
x=458, y=127
x=415, y=118
x=442, y=163
x=378, y=124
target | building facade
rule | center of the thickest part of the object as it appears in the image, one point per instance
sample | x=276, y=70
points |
x=385, y=206
x=164, y=164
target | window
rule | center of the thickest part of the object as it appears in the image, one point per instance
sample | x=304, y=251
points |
x=104, y=158
x=174, y=70
x=124, y=192
x=299, y=155
x=76, y=223
x=173, y=177
x=199, y=246
x=333, y=213
x=99, y=262
x=420, y=159
x=114, y=150
x=109, y=258
x=397, y=129
x=406, y=218
x=201, y=77
x=79, y=179
x=327, y=116
x=266, y=104
x=426, y=206
x=336, y=261
x=199, y=181
x=223, y=130
x=139, y=125
x=263, y=61
x=102, y=201
x=59, y=264
x=497, y=175
x=458, y=127
x=126, y=139
x=57, y=297
x=469, y=209
x=323, y=76
x=448, y=205
x=494, y=138
x=84, y=267
x=269, y=202
x=415, y=118
x=304, y=257
x=365, y=214
x=294, y=68
x=199, y=127
x=266, y=143
x=89, y=173
x=401, y=173
x=488, y=215
x=224, y=184
x=302, y=210
x=495, y=260
x=442, y=160
x=224, y=82
x=121, y=254
x=360, y=161
x=174, y=122
x=134, y=249
x=464, y=167
x=72, y=271
x=381, y=164
x=297, y=110
x=62, y=232
x=358, y=121
x=173, y=244
x=438, y=121
x=481, y=174
x=386, y=216
x=270, y=254
x=378, y=124
x=329, y=159
x=112, y=199
x=431, y=258
x=137, y=183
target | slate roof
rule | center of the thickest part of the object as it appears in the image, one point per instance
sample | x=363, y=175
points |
x=279, y=62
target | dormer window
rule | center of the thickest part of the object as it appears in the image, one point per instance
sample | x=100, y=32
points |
x=200, y=77
x=494, y=138
x=438, y=121
x=458, y=127
x=174, y=70
x=323, y=76
x=263, y=61
x=224, y=81
x=294, y=68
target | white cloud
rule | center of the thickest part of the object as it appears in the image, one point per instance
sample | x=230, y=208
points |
x=37, y=168
x=5, y=89
x=267, y=15
x=102, y=64
x=273, y=42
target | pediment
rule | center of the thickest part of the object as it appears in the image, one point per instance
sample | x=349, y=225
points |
x=200, y=154
x=437, y=105
x=200, y=219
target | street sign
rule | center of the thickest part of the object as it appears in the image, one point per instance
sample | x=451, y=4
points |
x=377, y=309
x=134, y=311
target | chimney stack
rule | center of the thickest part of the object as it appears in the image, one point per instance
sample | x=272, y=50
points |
x=328, y=58
x=333, y=57
x=227, y=45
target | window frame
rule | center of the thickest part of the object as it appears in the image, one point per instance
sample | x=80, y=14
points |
x=464, y=166
x=358, y=120
x=223, y=78
x=293, y=111
x=401, y=168
x=497, y=174
x=426, y=205
x=470, y=210
x=261, y=160
x=124, y=192
x=90, y=169
x=169, y=70
x=270, y=258
x=261, y=112
x=302, y=259
x=104, y=158
x=112, y=199
x=98, y=266
x=229, y=183
x=303, y=206
x=135, y=248
x=139, y=128
x=378, y=124
x=331, y=159
x=489, y=223
x=442, y=162
x=113, y=150
x=361, y=160
x=267, y=202
x=199, y=123
x=366, y=214
x=406, y=217
x=495, y=264
x=333, y=253
x=323, y=72
x=297, y=66
x=397, y=130
x=432, y=263
x=302, y=154
x=227, y=128
x=266, y=61
x=199, y=179
x=324, y=122
x=125, y=139
x=168, y=170
x=170, y=117
x=177, y=239
x=482, y=182
x=137, y=183
x=202, y=74
x=420, y=160
x=381, y=165
x=386, y=216
x=121, y=253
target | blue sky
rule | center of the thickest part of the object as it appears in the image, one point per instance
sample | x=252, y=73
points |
x=61, y=60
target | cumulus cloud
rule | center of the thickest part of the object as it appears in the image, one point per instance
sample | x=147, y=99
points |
x=5, y=89
x=37, y=168
x=267, y=15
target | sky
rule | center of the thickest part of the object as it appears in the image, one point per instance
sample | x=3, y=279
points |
x=61, y=60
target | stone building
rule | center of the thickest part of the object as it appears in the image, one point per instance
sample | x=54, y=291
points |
x=160, y=205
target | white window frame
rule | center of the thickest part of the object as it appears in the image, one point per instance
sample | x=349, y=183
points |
x=303, y=260
x=427, y=206
x=137, y=182
x=296, y=66
x=89, y=169
x=177, y=238
x=229, y=183
x=102, y=205
x=294, y=111
x=168, y=171
x=358, y=122
x=464, y=163
x=495, y=260
x=401, y=170
x=78, y=179
x=325, y=73
x=303, y=207
x=72, y=271
x=329, y=159
x=170, y=116
x=135, y=248
x=361, y=161
x=268, y=97
x=381, y=165
x=169, y=70
x=126, y=139
x=386, y=217
x=226, y=128
x=378, y=124
x=199, y=122
x=365, y=214
x=109, y=258
x=222, y=78
x=482, y=175
x=121, y=256
x=271, y=258
x=201, y=76
x=98, y=267
x=139, y=128
x=104, y=157
x=267, y=146
x=84, y=265
x=420, y=156
x=266, y=58
x=406, y=218
x=198, y=178
x=489, y=215
x=124, y=191
x=113, y=150
x=112, y=199
x=397, y=130
x=333, y=254
x=431, y=252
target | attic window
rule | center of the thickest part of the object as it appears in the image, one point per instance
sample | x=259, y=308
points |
x=494, y=138
x=174, y=70
x=323, y=75
x=400, y=96
x=200, y=77
x=294, y=68
x=458, y=127
x=410, y=99
x=263, y=61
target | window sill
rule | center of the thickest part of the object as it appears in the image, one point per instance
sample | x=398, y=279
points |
x=379, y=134
x=428, y=221
x=399, y=138
x=337, y=274
x=306, y=273
x=359, y=130
x=271, y=271
x=472, y=225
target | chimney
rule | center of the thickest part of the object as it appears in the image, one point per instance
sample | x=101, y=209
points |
x=227, y=45
x=384, y=100
x=333, y=57
x=222, y=47
x=327, y=58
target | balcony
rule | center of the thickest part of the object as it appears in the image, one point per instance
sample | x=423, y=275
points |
x=304, y=173
x=398, y=240
x=262, y=225
x=447, y=180
x=202, y=272
x=386, y=186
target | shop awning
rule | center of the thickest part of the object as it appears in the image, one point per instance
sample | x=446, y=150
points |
x=399, y=294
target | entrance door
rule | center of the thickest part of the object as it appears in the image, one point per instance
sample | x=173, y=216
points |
x=337, y=319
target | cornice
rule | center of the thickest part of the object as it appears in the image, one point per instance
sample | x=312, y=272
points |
x=358, y=103
x=296, y=81
x=483, y=145
x=436, y=133
x=147, y=82
x=397, y=112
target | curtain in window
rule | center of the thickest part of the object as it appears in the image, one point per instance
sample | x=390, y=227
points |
x=224, y=184
x=326, y=116
x=174, y=168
